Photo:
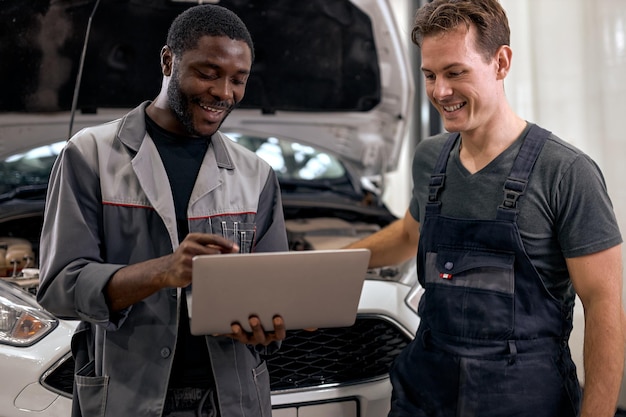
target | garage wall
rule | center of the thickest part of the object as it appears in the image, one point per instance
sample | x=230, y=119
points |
x=569, y=75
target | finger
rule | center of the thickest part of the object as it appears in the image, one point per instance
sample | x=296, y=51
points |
x=220, y=249
x=238, y=333
x=194, y=248
x=279, y=328
x=213, y=242
x=258, y=333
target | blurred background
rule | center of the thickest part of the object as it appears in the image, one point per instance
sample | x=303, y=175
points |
x=569, y=76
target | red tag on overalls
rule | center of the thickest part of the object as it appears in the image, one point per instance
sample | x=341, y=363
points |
x=445, y=276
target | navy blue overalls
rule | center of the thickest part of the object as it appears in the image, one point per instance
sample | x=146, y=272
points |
x=492, y=342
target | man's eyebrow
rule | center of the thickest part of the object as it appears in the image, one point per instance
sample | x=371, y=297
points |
x=215, y=66
x=447, y=67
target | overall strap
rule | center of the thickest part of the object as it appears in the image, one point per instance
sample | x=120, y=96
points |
x=515, y=184
x=437, y=178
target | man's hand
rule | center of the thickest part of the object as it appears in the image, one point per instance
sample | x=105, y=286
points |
x=178, y=271
x=135, y=282
x=259, y=336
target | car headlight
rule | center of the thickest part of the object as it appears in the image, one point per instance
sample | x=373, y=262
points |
x=22, y=321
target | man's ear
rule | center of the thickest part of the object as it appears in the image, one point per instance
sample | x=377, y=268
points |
x=503, y=60
x=167, y=61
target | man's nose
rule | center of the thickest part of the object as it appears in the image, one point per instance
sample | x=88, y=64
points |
x=222, y=88
x=441, y=88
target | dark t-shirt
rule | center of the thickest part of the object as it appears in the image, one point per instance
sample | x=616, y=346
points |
x=565, y=212
x=182, y=157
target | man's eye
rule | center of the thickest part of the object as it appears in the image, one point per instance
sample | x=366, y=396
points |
x=208, y=76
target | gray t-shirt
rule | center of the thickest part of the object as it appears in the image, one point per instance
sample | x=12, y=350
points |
x=564, y=213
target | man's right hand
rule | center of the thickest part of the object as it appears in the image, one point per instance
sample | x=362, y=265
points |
x=178, y=272
x=135, y=282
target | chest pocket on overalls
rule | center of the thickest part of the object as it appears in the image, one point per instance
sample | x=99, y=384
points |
x=470, y=293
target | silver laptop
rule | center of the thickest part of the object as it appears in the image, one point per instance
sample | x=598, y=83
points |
x=309, y=289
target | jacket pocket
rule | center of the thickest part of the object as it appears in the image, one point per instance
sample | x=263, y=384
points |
x=261, y=378
x=234, y=229
x=91, y=391
x=469, y=293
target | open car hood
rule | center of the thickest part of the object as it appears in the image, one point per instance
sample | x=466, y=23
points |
x=329, y=73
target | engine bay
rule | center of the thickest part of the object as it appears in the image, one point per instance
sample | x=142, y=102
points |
x=19, y=255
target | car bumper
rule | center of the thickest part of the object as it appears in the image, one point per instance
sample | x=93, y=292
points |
x=25, y=370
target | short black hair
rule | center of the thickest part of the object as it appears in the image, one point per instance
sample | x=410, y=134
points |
x=206, y=20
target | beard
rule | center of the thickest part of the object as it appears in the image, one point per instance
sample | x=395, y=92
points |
x=179, y=103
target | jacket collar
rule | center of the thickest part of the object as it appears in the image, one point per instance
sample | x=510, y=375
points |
x=132, y=132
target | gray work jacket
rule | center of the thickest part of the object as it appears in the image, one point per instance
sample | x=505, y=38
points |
x=109, y=205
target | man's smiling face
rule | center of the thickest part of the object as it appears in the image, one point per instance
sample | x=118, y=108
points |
x=207, y=82
x=461, y=82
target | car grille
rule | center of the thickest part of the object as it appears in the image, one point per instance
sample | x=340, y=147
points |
x=344, y=355
x=308, y=359
x=61, y=378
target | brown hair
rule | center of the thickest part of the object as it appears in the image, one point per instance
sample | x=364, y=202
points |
x=487, y=16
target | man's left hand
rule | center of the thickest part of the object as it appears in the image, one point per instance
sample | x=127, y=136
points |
x=259, y=336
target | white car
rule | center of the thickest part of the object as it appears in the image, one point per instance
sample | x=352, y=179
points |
x=327, y=105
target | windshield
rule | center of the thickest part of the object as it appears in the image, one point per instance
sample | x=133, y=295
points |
x=291, y=161
x=28, y=169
